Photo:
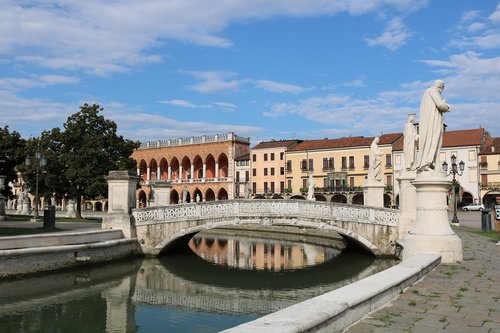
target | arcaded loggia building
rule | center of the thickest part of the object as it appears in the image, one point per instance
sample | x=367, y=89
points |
x=199, y=168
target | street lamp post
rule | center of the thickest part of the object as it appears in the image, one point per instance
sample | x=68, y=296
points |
x=39, y=163
x=455, y=170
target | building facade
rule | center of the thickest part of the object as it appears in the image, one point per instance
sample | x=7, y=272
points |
x=339, y=167
x=268, y=166
x=199, y=168
x=465, y=145
x=242, y=178
x=489, y=171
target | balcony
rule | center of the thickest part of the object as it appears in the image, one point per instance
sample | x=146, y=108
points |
x=490, y=185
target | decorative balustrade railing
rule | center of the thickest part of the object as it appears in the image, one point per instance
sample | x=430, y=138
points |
x=193, y=140
x=192, y=180
x=267, y=208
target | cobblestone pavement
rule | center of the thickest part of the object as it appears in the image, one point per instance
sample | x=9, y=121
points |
x=462, y=297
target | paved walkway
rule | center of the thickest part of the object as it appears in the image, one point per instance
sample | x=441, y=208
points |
x=463, y=297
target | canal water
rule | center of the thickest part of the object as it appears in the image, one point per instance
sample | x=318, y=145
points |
x=225, y=282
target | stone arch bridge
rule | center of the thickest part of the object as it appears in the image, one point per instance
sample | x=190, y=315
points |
x=376, y=229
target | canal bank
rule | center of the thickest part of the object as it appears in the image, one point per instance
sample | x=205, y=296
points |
x=75, y=244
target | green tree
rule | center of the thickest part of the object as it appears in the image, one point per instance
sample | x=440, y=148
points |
x=11, y=154
x=89, y=149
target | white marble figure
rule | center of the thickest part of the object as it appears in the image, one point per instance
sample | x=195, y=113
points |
x=431, y=129
x=375, y=170
x=310, y=187
x=247, y=190
x=410, y=138
x=197, y=197
x=184, y=194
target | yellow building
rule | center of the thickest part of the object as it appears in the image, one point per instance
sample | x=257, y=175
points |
x=267, y=164
x=489, y=170
x=339, y=167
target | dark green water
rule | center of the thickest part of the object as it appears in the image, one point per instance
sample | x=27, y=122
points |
x=179, y=293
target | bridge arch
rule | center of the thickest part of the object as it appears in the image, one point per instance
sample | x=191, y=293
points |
x=375, y=229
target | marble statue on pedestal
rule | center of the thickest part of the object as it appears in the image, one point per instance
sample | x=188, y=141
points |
x=410, y=138
x=375, y=169
x=184, y=194
x=432, y=108
x=310, y=187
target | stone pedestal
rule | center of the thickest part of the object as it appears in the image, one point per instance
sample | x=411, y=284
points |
x=161, y=190
x=121, y=201
x=373, y=192
x=432, y=232
x=407, y=203
x=26, y=208
x=2, y=198
x=71, y=209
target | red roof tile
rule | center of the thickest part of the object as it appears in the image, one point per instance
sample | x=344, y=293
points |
x=491, y=146
x=471, y=137
x=276, y=144
x=345, y=142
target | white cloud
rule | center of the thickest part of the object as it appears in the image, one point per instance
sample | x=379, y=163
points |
x=226, y=106
x=394, y=36
x=36, y=81
x=495, y=16
x=145, y=126
x=180, y=102
x=103, y=37
x=279, y=87
x=214, y=81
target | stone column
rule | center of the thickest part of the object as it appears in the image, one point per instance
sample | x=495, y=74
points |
x=169, y=173
x=71, y=208
x=192, y=173
x=2, y=198
x=407, y=203
x=158, y=173
x=204, y=172
x=180, y=172
x=162, y=193
x=148, y=174
x=373, y=193
x=121, y=201
x=432, y=232
x=216, y=170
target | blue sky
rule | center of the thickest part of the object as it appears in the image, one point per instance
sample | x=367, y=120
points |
x=272, y=69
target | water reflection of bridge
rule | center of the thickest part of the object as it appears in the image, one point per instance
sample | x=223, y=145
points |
x=221, y=289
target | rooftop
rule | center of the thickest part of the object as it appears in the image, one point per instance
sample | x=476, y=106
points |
x=346, y=142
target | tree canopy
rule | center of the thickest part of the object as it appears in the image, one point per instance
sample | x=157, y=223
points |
x=11, y=154
x=90, y=149
x=79, y=156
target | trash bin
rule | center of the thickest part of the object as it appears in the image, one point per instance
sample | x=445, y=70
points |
x=485, y=220
x=49, y=217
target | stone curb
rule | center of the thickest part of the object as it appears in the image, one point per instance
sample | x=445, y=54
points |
x=339, y=308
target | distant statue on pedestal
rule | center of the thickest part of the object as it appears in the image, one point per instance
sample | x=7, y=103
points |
x=375, y=169
x=247, y=190
x=184, y=194
x=432, y=108
x=310, y=187
x=197, y=197
x=410, y=138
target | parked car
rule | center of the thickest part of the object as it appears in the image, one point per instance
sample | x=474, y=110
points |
x=474, y=206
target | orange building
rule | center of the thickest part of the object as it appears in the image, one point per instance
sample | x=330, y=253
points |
x=203, y=166
x=268, y=166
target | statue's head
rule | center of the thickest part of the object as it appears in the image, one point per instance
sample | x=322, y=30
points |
x=439, y=84
x=411, y=117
